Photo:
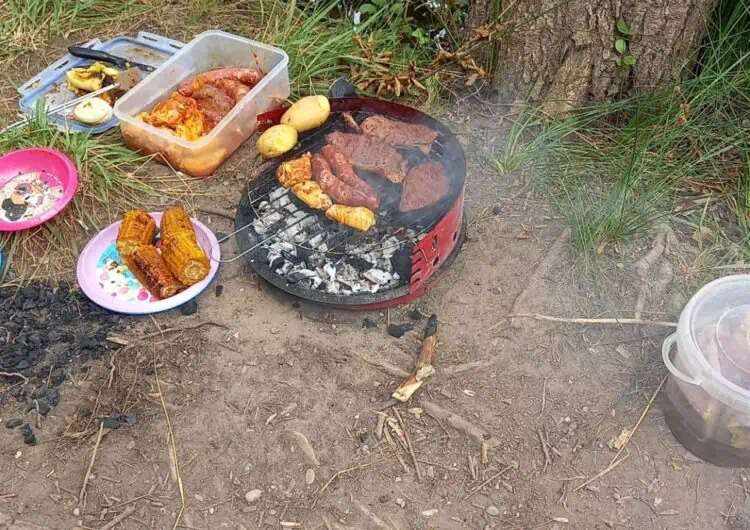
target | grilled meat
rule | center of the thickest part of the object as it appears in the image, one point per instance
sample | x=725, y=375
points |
x=400, y=133
x=345, y=172
x=295, y=171
x=185, y=258
x=359, y=218
x=246, y=76
x=371, y=154
x=425, y=185
x=150, y=269
x=311, y=194
x=337, y=189
x=137, y=228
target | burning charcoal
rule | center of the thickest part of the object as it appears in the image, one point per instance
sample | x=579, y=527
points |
x=299, y=273
x=317, y=240
x=277, y=194
x=315, y=282
x=415, y=315
x=390, y=246
x=399, y=330
x=282, y=246
x=259, y=227
x=330, y=270
x=377, y=276
x=275, y=260
x=315, y=260
x=284, y=269
x=360, y=263
x=332, y=288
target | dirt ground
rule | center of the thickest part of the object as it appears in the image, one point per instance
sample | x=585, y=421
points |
x=268, y=378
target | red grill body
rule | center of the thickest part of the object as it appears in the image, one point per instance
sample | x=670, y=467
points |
x=434, y=253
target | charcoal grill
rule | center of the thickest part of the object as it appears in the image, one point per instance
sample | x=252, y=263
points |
x=421, y=244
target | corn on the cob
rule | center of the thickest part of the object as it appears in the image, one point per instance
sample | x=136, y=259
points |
x=153, y=273
x=137, y=228
x=175, y=220
x=185, y=258
x=358, y=217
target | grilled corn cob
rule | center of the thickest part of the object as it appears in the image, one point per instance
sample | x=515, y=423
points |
x=174, y=221
x=153, y=273
x=137, y=228
x=185, y=258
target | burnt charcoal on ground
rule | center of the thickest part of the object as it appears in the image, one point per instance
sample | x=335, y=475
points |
x=45, y=330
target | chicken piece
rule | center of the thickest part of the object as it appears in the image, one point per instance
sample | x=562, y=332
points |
x=180, y=115
x=175, y=220
x=138, y=228
x=337, y=189
x=311, y=194
x=295, y=171
x=246, y=76
x=358, y=217
x=234, y=88
x=91, y=78
x=345, y=172
x=152, y=272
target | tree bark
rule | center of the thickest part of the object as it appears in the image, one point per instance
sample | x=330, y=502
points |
x=563, y=51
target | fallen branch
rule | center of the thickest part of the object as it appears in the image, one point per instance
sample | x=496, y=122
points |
x=216, y=211
x=342, y=472
x=82, y=494
x=120, y=518
x=409, y=446
x=633, y=321
x=15, y=374
x=385, y=366
x=459, y=423
x=423, y=369
x=614, y=464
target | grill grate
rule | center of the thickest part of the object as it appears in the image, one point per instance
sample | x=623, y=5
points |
x=312, y=232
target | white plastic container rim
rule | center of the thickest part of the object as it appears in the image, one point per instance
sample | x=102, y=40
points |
x=702, y=374
x=205, y=140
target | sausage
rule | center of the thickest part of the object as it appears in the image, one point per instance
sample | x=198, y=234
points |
x=338, y=190
x=214, y=102
x=246, y=76
x=234, y=88
x=345, y=172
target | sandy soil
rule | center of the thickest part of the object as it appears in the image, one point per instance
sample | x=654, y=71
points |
x=244, y=393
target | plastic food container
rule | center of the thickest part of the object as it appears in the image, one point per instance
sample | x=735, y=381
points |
x=209, y=50
x=707, y=404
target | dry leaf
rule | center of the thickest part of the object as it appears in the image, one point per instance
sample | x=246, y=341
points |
x=617, y=443
x=472, y=79
x=306, y=447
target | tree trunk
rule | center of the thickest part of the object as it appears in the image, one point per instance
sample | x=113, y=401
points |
x=563, y=51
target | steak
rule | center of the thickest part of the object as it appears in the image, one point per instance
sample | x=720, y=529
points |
x=370, y=154
x=425, y=185
x=399, y=133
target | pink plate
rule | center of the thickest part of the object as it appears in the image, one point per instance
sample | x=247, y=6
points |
x=35, y=185
x=111, y=285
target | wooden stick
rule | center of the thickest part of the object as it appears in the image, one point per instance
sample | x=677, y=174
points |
x=423, y=368
x=603, y=472
x=216, y=211
x=342, y=472
x=633, y=321
x=409, y=446
x=483, y=484
x=120, y=518
x=15, y=374
x=82, y=494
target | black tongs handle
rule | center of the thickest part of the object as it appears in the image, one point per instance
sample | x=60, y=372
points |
x=98, y=55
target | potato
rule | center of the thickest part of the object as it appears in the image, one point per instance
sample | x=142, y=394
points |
x=308, y=113
x=277, y=140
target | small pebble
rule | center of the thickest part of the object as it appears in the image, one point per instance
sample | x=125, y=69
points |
x=44, y=407
x=189, y=308
x=199, y=498
x=309, y=476
x=253, y=495
x=275, y=331
x=219, y=289
x=431, y=471
x=493, y=511
x=12, y=423
x=211, y=511
x=401, y=502
x=384, y=498
x=430, y=513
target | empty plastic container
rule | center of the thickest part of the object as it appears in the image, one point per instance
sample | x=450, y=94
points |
x=209, y=50
x=707, y=404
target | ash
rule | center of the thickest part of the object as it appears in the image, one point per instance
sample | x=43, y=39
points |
x=306, y=249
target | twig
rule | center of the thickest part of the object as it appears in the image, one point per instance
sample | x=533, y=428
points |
x=547, y=457
x=493, y=477
x=120, y=518
x=633, y=321
x=342, y=472
x=603, y=472
x=15, y=374
x=409, y=446
x=459, y=423
x=216, y=211
x=172, y=446
x=544, y=398
x=82, y=494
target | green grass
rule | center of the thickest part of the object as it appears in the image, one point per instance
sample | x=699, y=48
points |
x=321, y=43
x=617, y=168
x=28, y=25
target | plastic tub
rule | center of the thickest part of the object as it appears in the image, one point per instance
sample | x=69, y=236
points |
x=211, y=49
x=707, y=404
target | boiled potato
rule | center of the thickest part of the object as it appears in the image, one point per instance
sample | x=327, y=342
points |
x=93, y=111
x=277, y=140
x=308, y=113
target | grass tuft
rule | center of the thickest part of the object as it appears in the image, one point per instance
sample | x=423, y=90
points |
x=617, y=168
